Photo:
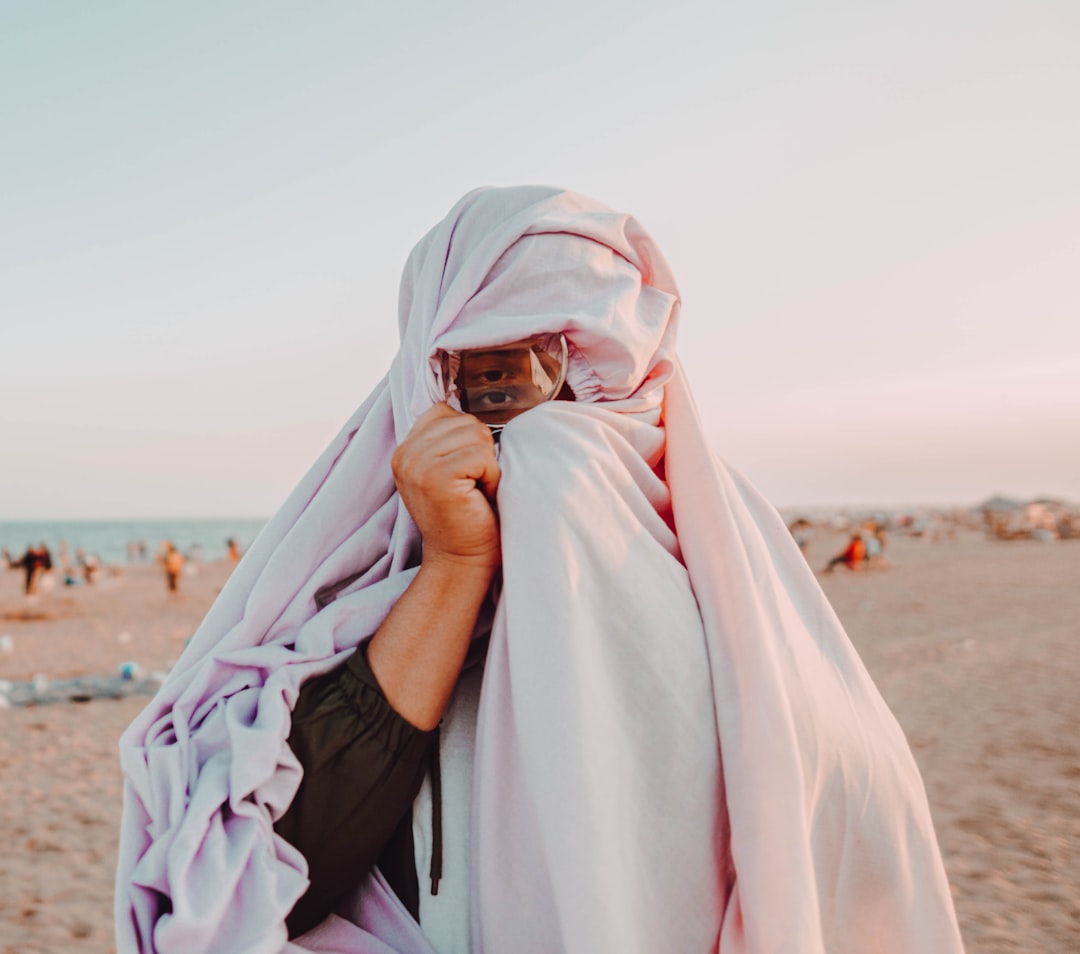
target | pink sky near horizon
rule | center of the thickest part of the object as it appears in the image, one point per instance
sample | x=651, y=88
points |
x=872, y=215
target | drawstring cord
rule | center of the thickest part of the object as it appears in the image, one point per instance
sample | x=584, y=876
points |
x=436, y=815
x=477, y=651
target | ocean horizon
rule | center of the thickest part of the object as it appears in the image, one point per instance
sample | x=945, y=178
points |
x=109, y=540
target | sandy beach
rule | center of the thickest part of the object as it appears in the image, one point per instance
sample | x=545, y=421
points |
x=974, y=643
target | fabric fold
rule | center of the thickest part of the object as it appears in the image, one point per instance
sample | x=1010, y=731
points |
x=677, y=747
x=598, y=708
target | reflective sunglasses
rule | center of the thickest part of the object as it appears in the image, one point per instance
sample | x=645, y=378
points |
x=497, y=384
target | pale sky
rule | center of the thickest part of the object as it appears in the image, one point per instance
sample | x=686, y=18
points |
x=872, y=209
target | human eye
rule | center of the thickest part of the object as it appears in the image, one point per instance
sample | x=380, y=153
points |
x=493, y=400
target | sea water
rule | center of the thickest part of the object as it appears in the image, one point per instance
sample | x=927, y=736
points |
x=108, y=540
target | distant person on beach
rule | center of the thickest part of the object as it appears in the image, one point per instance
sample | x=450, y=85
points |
x=801, y=530
x=88, y=563
x=232, y=550
x=520, y=666
x=852, y=556
x=35, y=563
x=173, y=562
x=875, y=538
x=64, y=553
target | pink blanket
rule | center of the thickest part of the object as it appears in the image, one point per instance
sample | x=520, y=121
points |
x=677, y=747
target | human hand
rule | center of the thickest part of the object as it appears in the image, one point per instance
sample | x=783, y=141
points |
x=447, y=474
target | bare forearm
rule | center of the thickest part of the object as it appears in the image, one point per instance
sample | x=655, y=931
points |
x=417, y=653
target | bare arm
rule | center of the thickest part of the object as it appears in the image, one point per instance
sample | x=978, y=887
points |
x=363, y=764
x=447, y=474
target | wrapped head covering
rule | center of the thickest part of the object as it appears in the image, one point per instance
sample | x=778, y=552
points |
x=677, y=748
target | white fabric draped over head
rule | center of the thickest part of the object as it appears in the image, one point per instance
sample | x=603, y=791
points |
x=677, y=747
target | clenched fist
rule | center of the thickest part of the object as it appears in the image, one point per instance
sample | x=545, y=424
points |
x=447, y=474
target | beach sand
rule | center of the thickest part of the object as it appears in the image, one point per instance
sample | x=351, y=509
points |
x=975, y=644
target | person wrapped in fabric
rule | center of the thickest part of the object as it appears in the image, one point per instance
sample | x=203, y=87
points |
x=573, y=689
x=369, y=728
